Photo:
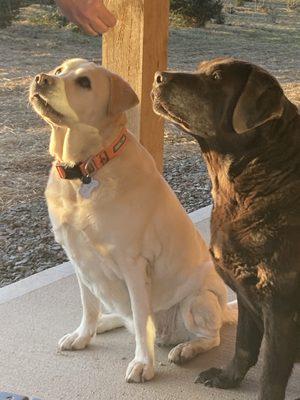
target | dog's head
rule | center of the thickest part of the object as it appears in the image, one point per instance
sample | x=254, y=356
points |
x=222, y=96
x=79, y=91
x=79, y=99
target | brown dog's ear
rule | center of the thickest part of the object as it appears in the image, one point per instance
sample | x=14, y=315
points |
x=260, y=101
x=122, y=96
x=201, y=64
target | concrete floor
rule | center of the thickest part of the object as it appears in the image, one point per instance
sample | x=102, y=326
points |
x=30, y=364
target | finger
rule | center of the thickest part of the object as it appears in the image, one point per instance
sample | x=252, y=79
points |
x=88, y=29
x=83, y=22
x=106, y=16
x=98, y=25
x=91, y=24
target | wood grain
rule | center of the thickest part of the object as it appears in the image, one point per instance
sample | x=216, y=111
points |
x=135, y=49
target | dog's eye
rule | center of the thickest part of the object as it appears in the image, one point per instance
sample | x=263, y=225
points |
x=216, y=75
x=58, y=71
x=84, y=82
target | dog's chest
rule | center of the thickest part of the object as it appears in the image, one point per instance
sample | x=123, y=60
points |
x=250, y=255
x=81, y=226
x=76, y=204
x=235, y=258
x=93, y=256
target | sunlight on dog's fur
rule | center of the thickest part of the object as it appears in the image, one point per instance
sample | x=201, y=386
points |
x=139, y=260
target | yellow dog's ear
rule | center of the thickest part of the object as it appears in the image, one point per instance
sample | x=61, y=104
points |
x=56, y=145
x=260, y=101
x=122, y=96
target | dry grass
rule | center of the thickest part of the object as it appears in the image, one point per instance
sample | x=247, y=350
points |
x=29, y=49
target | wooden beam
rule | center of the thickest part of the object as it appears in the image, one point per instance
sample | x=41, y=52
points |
x=135, y=49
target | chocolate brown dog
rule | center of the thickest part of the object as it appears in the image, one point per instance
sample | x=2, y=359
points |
x=249, y=133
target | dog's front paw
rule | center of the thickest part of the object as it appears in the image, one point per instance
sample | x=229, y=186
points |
x=138, y=372
x=182, y=353
x=76, y=340
x=216, y=377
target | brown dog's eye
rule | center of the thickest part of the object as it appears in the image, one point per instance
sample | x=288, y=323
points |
x=216, y=75
x=84, y=82
x=58, y=71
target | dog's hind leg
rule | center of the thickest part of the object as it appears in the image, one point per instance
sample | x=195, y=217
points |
x=108, y=322
x=202, y=317
x=248, y=342
x=184, y=352
x=279, y=352
x=82, y=336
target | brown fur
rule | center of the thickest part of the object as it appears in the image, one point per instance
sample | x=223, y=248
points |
x=252, y=150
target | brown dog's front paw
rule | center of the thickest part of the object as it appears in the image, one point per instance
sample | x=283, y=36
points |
x=208, y=375
x=216, y=377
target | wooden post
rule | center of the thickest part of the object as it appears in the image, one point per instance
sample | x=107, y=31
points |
x=135, y=49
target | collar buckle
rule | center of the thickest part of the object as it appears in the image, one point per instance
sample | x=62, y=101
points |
x=89, y=167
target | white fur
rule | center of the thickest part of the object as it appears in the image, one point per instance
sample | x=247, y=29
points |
x=137, y=255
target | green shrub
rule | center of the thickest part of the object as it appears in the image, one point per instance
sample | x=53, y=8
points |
x=48, y=15
x=197, y=12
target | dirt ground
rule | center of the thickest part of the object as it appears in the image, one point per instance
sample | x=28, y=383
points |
x=27, y=49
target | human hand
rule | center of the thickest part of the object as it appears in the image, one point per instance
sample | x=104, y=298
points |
x=91, y=15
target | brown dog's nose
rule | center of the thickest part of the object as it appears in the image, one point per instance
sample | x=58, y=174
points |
x=161, y=78
x=44, y=80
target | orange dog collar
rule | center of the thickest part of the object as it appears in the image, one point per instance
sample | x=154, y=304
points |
x=84, y=169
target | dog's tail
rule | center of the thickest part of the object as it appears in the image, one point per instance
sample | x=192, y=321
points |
x=230, y=313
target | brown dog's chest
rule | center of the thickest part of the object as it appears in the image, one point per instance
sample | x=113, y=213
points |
x=237, y=268
x=252, y=257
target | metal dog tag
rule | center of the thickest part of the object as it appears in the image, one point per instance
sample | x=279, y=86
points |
x=86, y=189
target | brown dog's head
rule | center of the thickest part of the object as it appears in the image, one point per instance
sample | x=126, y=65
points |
x=79, y=91
x=222, y=96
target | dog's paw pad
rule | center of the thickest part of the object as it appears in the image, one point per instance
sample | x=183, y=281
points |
x=74, y=341
x=208, y=375
x=217, y=378
x=181, y=353
x=138, y=372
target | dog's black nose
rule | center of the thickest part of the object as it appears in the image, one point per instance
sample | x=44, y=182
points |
x=161, y=77
x=44, y=80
